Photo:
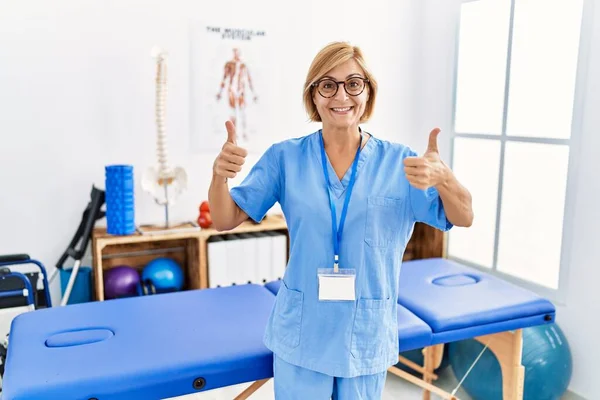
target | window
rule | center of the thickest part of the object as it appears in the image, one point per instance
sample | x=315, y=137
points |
x=515, y=113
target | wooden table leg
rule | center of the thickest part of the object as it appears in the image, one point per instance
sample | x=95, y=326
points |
x=422, y=384
x=508, y=349
x=428, y=362
x=415, y=367
x=251, y=389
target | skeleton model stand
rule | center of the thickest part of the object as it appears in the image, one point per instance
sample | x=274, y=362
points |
x=163, y=182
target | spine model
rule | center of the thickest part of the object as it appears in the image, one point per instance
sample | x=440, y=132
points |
x=163, y=181
x=160, y=110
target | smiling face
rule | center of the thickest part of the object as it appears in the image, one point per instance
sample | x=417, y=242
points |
x=342, y=111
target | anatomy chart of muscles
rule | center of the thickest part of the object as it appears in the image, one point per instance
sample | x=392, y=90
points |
x=229, y=80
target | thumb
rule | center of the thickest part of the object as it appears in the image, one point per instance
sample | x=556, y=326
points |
x=231, y=135
x=432, y=145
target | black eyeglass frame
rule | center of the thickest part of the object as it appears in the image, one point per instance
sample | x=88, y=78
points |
x=338, y=83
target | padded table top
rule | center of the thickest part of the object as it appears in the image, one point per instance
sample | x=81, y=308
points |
x=413, y=333
x=125, y=353
x=449, y=296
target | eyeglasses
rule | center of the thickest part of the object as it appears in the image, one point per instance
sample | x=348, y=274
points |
x=328, y=87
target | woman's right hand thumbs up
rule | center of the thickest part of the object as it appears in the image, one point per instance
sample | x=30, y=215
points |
x=231, y=158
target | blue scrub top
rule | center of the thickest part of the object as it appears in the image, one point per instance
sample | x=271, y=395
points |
x=339, y=338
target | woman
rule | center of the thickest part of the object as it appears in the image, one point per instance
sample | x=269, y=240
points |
x=350, y=201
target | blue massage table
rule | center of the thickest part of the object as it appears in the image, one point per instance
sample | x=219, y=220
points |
x=167, y=345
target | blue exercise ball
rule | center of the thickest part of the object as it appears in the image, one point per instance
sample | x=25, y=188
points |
x=546, y=357
x=165, y=274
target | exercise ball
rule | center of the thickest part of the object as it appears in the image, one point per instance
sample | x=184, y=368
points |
x=120, y=281
x=546, y=357
x=165, y=274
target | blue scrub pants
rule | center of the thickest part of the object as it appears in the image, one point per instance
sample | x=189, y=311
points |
x=296, y=383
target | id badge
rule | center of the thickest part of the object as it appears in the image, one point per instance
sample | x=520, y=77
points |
x=336, y=285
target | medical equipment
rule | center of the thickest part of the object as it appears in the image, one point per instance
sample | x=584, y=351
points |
x=19, y=293
x=82, y=236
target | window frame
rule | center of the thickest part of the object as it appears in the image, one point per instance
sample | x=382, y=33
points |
x=574, y=143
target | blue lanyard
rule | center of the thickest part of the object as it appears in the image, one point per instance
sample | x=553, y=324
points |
x=337, y=233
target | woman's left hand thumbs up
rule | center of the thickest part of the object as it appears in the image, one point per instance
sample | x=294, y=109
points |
x=427, y=170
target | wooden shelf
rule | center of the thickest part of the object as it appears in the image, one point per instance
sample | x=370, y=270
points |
x=270, y=222
x=188, y=248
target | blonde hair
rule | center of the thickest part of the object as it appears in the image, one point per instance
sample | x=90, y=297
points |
x=329, y=57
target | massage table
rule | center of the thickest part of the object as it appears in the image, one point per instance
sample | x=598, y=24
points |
x=167, y=345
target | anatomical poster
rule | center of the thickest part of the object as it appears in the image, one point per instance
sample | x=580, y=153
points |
x=229, y=80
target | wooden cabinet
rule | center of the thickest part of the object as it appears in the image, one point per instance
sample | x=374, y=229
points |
x=425, y=242
x=188, y=248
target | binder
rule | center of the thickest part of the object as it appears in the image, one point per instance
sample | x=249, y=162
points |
x=248, y=262
x=217, y=261
x=264, y=256
x=278, y=255
x=234, y=260
x=242, y=258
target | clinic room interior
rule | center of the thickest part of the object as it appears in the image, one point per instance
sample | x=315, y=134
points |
x=165, y=172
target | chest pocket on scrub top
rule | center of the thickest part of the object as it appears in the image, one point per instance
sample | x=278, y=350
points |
x=384, y=221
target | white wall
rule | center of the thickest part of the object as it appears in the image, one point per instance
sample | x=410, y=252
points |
x=77, y=93
x=578, y=316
